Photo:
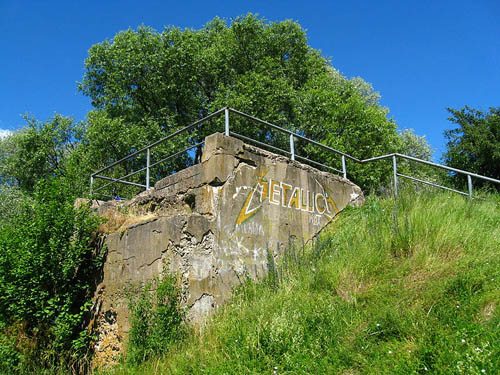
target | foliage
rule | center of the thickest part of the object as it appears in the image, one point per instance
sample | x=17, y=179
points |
x=59, y=147
x=38, y=151
x=156, y=82
x=12, y=201
x=6, y=150
x=107, y=139
x=416, y=146
x=475, y=144
x=48, y=262
x=156, y=318
x=394, y=287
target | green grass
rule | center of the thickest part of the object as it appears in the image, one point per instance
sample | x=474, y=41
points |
x=395, y=287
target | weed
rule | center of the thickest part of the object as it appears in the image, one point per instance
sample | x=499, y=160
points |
x=156, y=318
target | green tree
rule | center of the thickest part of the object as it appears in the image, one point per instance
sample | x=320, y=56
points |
x=475, y=144
x=156, y=82
x=414, y=145
x=105, y=139
x=417, y=146
x=38, y=151
x=12, y=201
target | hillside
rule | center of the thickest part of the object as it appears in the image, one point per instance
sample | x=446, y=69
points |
x=394, y=287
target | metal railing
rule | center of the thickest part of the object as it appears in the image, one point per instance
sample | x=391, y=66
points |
x=291, y=152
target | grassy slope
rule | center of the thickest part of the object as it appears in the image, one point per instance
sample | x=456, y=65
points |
x=406, y=287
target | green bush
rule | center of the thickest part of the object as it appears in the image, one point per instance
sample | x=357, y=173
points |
x=156, y=318
x=12, y=200
x=48, y=263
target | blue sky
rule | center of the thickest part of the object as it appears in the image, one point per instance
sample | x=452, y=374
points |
x=422, y=56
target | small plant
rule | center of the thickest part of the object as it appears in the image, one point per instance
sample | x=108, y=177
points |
x=156, y=318
x=272, y=271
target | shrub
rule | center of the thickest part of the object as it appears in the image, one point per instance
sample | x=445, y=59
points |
x=156, y=318
x=48, y=261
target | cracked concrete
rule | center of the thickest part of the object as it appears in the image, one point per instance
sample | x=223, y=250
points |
x=211, y=225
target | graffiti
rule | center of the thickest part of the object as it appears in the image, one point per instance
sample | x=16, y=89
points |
x=286, y=195
x=234, y=247
x=246, y=211
x=253, y=228
x=315, y=220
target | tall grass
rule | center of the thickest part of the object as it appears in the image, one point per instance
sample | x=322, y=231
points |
x=395, y=287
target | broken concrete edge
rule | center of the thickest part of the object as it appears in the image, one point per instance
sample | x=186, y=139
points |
x=186, y=224
x=216, y=147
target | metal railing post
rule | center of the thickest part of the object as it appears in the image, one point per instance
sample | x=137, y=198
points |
x=469, y=182
x=395, y=170
x=292, y=153
x=226, y=116
x=148, y=157
x=292, y=147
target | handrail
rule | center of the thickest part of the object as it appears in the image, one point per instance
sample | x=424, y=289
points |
x=291, y=152
x=289, y=132
x=186, y=128
x=259, y=143
x=430, y=183
x=449, y=168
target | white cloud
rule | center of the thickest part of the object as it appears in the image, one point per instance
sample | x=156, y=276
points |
x=4, y=133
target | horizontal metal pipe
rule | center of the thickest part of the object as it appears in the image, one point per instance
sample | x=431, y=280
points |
x=103, y=186
x=365, y=160
x=279, y=149
x=388, y=156
x=258, y=142
x=121, y=178
x=431, y=184
x=118, y=180
x=261, y=121
x=448, y=168
x=197, y=122
x=421, y=161
x=326, y=147
x=317, y=163
x=177, y=153
x=161, y=140
x=293, y=133
x=289, y=132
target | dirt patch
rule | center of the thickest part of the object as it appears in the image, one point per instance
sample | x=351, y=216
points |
x=117, y=221
x=487, y=312
x=350, y=287
x=109, y=345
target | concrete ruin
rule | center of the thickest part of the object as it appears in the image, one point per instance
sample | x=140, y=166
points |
x=212, y=225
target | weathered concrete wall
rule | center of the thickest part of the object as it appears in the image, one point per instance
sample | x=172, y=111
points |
x=212, y=224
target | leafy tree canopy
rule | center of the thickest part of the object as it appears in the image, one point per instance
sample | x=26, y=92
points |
x=38, y=151
x=414, y=145
x=417, y=146
x=154, y=82
x=475, y=144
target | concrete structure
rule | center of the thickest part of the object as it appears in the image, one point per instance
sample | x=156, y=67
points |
x=212, y=225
